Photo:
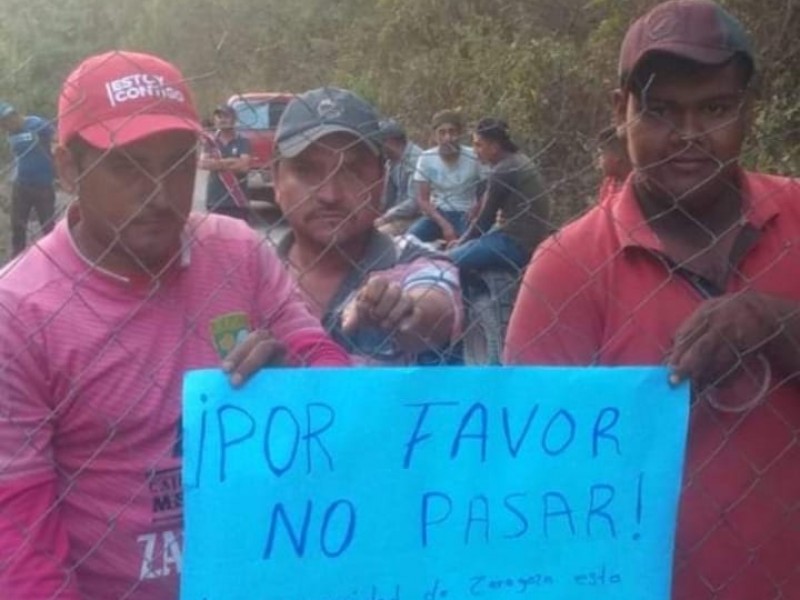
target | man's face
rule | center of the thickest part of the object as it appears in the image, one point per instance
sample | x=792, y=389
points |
x=447, y=137
x=488, y=152
x=685, y=133
x=224, y=121
x=330, y=192
x=134, y=200
x=394, y=148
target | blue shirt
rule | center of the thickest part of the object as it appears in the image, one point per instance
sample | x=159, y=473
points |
x=33, y=159
x=217, y=194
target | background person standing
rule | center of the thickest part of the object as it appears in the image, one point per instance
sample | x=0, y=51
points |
x=29, y=138
x=227, y=156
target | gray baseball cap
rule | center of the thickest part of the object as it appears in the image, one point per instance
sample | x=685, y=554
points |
x=391, y=129
x=323, y=111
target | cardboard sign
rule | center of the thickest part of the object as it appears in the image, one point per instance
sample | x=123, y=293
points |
x=432, y=483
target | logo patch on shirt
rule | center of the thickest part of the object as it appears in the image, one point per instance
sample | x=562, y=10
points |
x=229, y=330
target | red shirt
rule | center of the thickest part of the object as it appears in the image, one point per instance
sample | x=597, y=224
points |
x=601, y=292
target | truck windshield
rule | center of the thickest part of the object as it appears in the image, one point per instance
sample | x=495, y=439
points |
x=258, y=115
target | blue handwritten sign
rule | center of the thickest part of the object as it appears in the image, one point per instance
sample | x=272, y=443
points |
x=432, y=484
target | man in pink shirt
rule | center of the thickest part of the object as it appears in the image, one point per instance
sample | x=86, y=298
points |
x=693, y=263
x=98, y=324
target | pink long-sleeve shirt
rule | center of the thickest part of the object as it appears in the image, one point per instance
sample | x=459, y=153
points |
x=91, y=368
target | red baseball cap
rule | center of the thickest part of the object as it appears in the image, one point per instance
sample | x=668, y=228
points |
x=117, y=98
x=698, y=30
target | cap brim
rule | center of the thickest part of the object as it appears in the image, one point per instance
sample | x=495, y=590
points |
x=294, y=145
x=700, y=54
x=126, y=130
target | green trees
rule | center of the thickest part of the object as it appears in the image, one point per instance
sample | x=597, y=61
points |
x=545, y=66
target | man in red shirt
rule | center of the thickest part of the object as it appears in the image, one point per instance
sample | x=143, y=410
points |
x=691, y=264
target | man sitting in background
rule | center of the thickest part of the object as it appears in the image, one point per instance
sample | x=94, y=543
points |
x=448, y=178
x=513, y=214
x=400, y=195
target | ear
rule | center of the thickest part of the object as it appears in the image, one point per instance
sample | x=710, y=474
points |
x=67, y=169
x=619, y=103
x=276, y=186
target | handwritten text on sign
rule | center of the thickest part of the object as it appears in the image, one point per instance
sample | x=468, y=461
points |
x=428, y=484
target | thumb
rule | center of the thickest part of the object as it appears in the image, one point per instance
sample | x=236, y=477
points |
x=351, y=317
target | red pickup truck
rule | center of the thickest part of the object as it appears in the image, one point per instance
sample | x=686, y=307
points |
x=257, y=115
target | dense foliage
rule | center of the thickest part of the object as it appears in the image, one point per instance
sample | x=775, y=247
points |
x=545, y=65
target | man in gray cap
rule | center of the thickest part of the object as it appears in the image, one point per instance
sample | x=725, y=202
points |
x=386, y=302
x=693, y=263
x=29, y=138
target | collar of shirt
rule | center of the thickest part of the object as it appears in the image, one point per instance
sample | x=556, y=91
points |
x=73, y=216
x=632, y=228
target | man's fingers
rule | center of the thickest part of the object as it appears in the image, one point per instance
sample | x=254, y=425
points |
x=690, y=332
x=402, y=309
x=352, y=316
x=380, y=303
x=264, y=353
x=382, y=309
x=240, y=351
x=360, y=309
x=685, y=338
x=413, y=321
x=707, y=360
x=257, y=350
x=372, y=292
x=689, y=362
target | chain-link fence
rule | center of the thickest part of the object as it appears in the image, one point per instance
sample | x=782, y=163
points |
x=316, y=228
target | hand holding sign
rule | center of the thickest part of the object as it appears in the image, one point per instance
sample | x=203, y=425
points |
x=259, y=349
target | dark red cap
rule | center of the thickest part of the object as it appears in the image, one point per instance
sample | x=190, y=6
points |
x=698, y=30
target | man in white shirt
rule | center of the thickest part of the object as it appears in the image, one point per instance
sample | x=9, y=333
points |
x=448, y=178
